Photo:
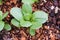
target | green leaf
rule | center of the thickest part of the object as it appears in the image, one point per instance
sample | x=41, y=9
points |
x=29, y=1
x=1, y=25
x=25, y=24
x=26, y=8
x=16, y=13
x=40, y=16
x=36, y=25
x=27, y=16
x=32, y=32
x=41, y=20
x=1, y=15
x=27, y=11
x=1, y=2
x=5, y=14
x=7, y=27
x=15, y=22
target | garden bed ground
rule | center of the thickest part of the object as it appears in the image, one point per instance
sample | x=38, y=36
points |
x=50, y=29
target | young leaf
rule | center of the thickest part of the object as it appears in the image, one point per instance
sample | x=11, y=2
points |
x=27, y=16
x=7, y=27
x=40, y=16
x=16, y=13
x=29, y=1
x=26, y=8
x=1, y=15
x=5, y=14
x=27, y=11
x=1, y=25
x=15, y=22
x=32, y=32
x=36, y=25
x=25, y=24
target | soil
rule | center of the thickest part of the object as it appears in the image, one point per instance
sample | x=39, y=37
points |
x=49, y=31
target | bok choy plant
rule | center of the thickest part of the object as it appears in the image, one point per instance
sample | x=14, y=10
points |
x=25, y=17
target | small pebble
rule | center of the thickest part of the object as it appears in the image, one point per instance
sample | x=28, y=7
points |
x=45, y=1
x=52, y=7
x=56, y=10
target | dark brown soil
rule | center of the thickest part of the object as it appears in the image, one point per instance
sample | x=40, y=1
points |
x=50, y=29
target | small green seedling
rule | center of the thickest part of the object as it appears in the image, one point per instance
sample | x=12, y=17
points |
x=34, y=21
x=4, y=25
x=25, y=17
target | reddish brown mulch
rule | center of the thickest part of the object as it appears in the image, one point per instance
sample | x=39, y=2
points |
x=50, y=29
